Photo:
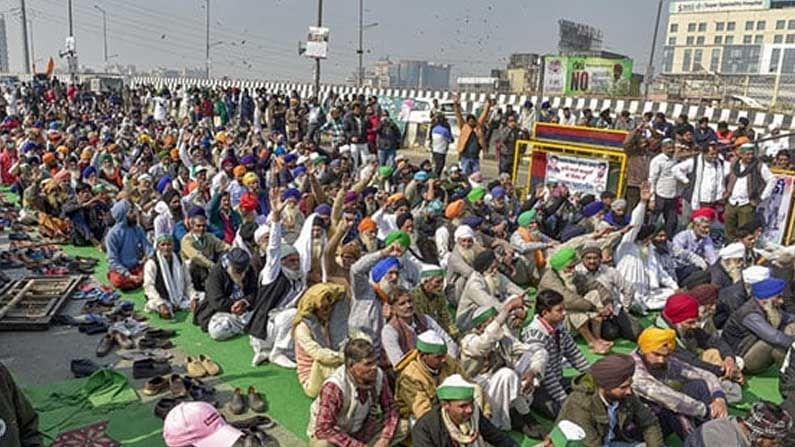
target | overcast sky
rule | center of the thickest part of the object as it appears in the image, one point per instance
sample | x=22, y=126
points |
x=260, y=37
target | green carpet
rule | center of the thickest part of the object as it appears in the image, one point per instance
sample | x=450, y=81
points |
x=136, y=425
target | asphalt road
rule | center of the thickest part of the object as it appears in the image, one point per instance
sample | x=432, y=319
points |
x=488, y=166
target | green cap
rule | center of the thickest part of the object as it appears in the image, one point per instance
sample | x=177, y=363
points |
x=748, y=147
x=482, y=314
x=476, y=194
x=429, y=342
x=562, y=258
x=526, y=218
x=455, y=388
x=386, y=171
x=432, y=271
x=400, y=236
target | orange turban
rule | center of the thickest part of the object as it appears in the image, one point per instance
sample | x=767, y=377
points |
x=395, y=197
x=48, y=158
x=652, y=339
x=175, y=154
x=367, y=224
x=239, y=171
x=454, y=209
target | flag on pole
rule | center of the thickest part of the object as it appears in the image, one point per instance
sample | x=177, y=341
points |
x=50, y=67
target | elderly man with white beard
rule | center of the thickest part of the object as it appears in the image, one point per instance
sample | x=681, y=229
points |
x=282, y=282
x=759, y=331
x=292, y=217
x=373, y=277
x=729, y=268
x=310, y=243
x=459, y=264
x=486, y=287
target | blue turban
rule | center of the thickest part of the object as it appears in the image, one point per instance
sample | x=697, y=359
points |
x=421, y=176
x=28, y=146
x=592, y=208
x=497, y=192
x=162, y=183
x=279, y=151
x=369, y=191
x=291, y=193
x=290, y=158
x=87, y=171
x=196, y=211
x=323, y=209
x=299, y=171
x=472, y=221
x=206, y=142
x=248, y=160
x=383, y=267
x=767, y=288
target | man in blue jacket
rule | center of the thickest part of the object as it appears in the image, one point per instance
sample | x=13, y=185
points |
x=127, y=246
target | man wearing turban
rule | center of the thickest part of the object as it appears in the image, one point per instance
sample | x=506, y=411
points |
x=486, y=286
x=604, y=393
x=459, y=263
x=681, y=395
x=765, y=425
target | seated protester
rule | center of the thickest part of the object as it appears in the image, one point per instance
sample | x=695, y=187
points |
x=617, y=216
x=603, y=405
x=486, y=287
x=409, y=265
x=707, y=297
x=337, y=258
x=613, y=321
x=694, y=245
x=759, y=331
x=516, y=268
x=457, y=420
x=373, y=278
x=20, y=422
x=78, y=210
x=167, y=284
x=174, y=215
x=429, y=299
x=199, y=249
x=748, y=235
x=404, y=323
x=682, y=396
x=281, y=283
x=421, y=371
x=246, y=239
x=766, y=425
x=48, y=204
x=356, y=405
x=503, y=366
x=560, y=278
x=230, y=293
x=728, y=269
x=694, y=345
x=223, y=220
x=733, y=297
x=310, y=242
x=318, y=348
x=367, y=240
x=459, y=263
x=293, y=219
x=444, y=235
x=126, y=245
x=529, y=242
x=547, y=333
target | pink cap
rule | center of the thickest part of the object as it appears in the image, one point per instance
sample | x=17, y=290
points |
x=198, y=424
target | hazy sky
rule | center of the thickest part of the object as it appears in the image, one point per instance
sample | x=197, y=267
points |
x=260, y=37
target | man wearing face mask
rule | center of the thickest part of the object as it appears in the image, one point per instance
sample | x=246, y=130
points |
x=126, y=245
x=694, y=345
x=760, y=331
x=231, y=290
x=486, y=286
x=282, y=282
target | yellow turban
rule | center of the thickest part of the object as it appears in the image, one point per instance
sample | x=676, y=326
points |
x=250, y=179
x=653, y=338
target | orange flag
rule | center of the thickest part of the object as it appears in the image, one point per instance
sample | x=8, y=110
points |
x=50, y=67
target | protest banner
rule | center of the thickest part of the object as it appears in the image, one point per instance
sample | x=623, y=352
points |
x=579, y=174
x=775, y=210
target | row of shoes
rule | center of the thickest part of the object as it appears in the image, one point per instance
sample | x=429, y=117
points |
x=253, y=400
x=202, y=366
x=151, y=339
x=180, y=387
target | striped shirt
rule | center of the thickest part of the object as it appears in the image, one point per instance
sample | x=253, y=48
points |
x=559, y=344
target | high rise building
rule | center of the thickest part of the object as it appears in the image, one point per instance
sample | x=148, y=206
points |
x=3, y=45
x=419, y=75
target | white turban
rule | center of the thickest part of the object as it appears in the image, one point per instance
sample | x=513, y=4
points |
x=261, y=231
x=732, y=251
x=464, y=232
x=755, y=273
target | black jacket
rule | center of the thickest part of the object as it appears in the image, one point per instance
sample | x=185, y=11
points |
x=218, y=295
x=718, y=276
x=429, y=431
x=729, y=300
x=268, y=297
x=354, y=128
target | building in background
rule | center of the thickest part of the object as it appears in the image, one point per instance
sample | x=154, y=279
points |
x=719, y=49
x=478, y=84
x=3, y=45
x=419, y=75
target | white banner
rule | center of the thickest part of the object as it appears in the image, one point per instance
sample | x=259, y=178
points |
x=585, y=175
x=691, y=6
x=775, y=210
x=317, y=42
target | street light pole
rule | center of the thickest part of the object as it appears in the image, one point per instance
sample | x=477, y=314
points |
x=361, y=37
x=650, y=68
x=25, y=53
x=104, y=33
x=207, y=38
x=317, y=59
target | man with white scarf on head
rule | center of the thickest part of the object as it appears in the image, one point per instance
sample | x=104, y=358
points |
x=167, y=284
x=282, y=282
x=309, y=244
x=459, y=264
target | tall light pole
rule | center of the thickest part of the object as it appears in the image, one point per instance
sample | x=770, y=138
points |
x=72, y=56
x=104, y=33
x=361, y=37
x=25, y=53
x=650, y=68
x=317, y=59
x=32, y=45
x=207, y=37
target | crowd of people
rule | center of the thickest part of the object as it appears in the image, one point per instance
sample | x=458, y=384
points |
x=420, y=301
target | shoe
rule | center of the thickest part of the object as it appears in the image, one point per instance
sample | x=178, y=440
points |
x=148, y=342
x=155, y=385
x=265, y=440
x=165, y=405
x=160, y=333
x=124, y=341
x=176, y=385
x=209, y=365
x=258, y=421
x=237, y=405
x=195, y=368
x=250, y=439
x=83, y=368
x=283, y=361
x=144, y=369
x=255, y=401
x=105, y=345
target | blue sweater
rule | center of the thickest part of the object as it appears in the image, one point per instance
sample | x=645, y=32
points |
x=125, y=243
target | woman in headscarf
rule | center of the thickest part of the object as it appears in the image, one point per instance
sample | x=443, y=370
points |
x=318, y=342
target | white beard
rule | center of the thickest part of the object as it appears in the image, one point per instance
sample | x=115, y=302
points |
x=386, y=286
x=772, y=312
x=733, y=270
x=467, y=253
x=370, y=242
x=491, y=282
